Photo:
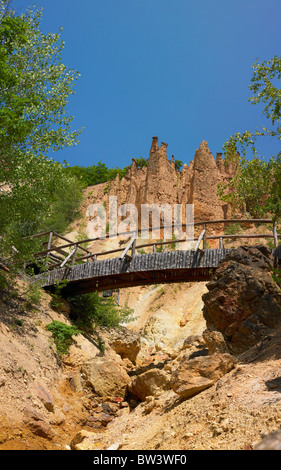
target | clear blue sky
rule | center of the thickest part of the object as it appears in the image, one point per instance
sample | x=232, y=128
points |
x=177, y=69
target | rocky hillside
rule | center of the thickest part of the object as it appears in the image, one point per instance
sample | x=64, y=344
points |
x=197, y=368
x=184, y=379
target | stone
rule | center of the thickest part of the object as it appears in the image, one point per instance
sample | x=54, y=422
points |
x=215, y=341
x=81, y=440
x=125, y=342
x=151, y=383
x=193, y=340
x=75, y=382
x=114, y=446
x=37, y=424
x=195, y=375
x=106, y=377
x=44, y=396
x=99, y=419
x=243, y=301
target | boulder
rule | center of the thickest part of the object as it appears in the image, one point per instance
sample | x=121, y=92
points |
x=215, y=341
x=195, y=375
x=45, y=397
x=82, y=440
x=151, y=383
x=125, y=342
x=37, y=424
x=243, y=302
x=105, y=376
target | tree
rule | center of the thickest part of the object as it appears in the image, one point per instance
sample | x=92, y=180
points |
x=141, y=162
x=41, y=81
x=13, y=127
x=95, y=174
x=88, y=311
x=256, y=186
x=178, y=165
x=35, y=87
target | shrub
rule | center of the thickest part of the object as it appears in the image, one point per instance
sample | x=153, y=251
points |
x=33, y=295
x=62, y=335
x=88, y=310
x=56, y=302
x=232, y=229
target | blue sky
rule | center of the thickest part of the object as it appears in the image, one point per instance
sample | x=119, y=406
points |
x=179, y=70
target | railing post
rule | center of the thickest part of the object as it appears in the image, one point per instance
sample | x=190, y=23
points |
x=133, y=250
x=49, y=245
x=50, y=241
x=131, y=246
x=205, y=237
x=69, y=256
x=199, y=240
x=221, y=243
x=275, y=234
x=74, y=254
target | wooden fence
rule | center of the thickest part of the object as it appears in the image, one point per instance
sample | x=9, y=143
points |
x=71, y=253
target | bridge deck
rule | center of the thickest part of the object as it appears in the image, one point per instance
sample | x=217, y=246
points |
x=144, y=269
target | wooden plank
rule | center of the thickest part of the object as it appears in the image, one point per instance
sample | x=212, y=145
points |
x=238, y=235
x=37, y=235
x=68, y=257
x=130, y=245
x=275, y=236
x=74, y=255
x=50, y=241
x=205, y=237
x=4, y=267
x=199, y=240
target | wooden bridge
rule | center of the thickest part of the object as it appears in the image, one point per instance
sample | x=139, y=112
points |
x=86, y=271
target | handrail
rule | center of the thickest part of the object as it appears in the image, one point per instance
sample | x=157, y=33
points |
x=131, y=232
x=132, y=243
x=212, y=237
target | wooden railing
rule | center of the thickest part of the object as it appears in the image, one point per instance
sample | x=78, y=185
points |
x=57, y=256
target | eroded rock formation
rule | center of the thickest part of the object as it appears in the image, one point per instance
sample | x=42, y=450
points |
x=159, y=183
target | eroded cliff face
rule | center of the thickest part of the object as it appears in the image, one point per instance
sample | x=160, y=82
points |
x=159, y=183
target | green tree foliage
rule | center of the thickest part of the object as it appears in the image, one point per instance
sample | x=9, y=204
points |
x=62, y=335
x=257, y=185
x=35, y=192
x=178, y=165
x=141, y=162
x=95, y=174
x=88, y=310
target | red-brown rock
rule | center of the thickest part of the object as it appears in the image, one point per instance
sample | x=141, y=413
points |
x=243, y=302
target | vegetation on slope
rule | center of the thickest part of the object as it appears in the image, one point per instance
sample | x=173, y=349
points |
x=35, y=86
x=257, y=185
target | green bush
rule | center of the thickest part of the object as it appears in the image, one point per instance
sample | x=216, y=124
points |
x=88, y=311
x=232, y=229
x=3, y=281
x=276, y=276
x=62, y=335
x=56, y=301
x=33, y=295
